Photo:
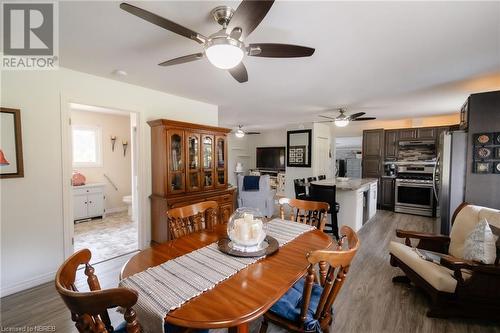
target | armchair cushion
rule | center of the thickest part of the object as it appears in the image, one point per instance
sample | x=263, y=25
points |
x=465, y=222
x=480, y=244
x=290, y=305
x=441, y=278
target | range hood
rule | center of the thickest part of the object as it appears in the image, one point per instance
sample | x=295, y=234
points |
x=417, y=143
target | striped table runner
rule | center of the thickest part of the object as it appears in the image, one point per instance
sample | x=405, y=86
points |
x=167, y=286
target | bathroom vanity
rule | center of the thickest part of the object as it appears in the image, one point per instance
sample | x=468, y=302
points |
x=88, y=201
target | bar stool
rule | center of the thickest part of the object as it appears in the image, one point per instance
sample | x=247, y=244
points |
x=327, y=194
x=300, y=188
x=321, y=177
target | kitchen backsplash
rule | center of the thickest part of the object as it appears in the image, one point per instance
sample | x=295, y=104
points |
x=416, y=153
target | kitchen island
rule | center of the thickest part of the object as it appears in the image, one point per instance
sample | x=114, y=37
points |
x=357, y=198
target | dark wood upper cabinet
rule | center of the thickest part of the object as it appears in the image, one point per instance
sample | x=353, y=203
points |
x=426, y=133
x=391, y=144
x=373, y=143
x=408, y=134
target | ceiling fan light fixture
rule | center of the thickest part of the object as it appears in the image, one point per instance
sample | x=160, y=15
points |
x=239, y=133
x=341, y=122
x=224, y=53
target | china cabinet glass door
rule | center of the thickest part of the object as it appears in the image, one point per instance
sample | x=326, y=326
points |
x=193, y=162
x=176, y=172
x=221, y=175
x=208, y=161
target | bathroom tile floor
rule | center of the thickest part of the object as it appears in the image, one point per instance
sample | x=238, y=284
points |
x=107, y=238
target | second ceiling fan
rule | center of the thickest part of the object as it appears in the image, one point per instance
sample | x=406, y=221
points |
x=343, y=120
x=226, y=48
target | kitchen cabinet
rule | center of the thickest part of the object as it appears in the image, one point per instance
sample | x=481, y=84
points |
x=391, y=144
x=189, y=165
x=88, y=201
x=428, y=133
x=408, y=134
x=387, y=195
x=373, y=143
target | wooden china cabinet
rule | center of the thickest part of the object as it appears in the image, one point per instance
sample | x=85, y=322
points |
x=189, y=165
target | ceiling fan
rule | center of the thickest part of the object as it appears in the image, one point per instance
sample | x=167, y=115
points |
x=343, y=120
x=226, y=48
x=239, y=133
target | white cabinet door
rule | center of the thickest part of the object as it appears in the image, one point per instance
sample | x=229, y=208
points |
x=372, y=209
x=79, y=207
x=95, y=204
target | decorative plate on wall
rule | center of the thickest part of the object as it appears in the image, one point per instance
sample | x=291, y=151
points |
x=497, y=138
x=484, y=153
x=483, y=167
x=483, y=138
x=496, y=169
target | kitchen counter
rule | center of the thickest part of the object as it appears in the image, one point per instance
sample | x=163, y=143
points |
x=357, y=198
x=352, y=184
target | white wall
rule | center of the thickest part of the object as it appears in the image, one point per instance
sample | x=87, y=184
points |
x=116, y=166
x=32, y=242
x=277, y=138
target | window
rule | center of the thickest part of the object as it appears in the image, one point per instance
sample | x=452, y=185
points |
x=87, y=143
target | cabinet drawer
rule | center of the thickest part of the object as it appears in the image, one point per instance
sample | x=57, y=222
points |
x=87, y=190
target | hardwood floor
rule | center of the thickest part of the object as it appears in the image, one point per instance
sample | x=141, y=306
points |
x=368, y=302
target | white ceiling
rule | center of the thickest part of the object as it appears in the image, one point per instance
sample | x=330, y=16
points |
x=390, y=59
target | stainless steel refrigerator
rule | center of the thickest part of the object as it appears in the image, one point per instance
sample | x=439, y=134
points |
x=449, y=177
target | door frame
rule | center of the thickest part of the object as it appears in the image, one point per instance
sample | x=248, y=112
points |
x=67, y=171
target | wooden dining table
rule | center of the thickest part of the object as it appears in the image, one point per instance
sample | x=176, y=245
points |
x=245, y=296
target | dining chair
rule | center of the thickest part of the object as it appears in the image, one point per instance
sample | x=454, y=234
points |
x=185, y=220
x=305, y=211
x=300, y=188
x=321, y=177
x=89, y=310
x=307, y=306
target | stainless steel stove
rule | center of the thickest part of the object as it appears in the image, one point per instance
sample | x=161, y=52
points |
x=415, y=189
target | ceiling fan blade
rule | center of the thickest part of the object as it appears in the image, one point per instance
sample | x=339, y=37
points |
x=182, y=60
x=273, y=50
x=252, y=133
x=163, y=22
x=239, y=73
x=364, y=118
x=327, y=117
x=248, y=16
x=356, y=115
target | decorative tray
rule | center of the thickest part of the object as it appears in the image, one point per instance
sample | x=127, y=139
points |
x=268, y=246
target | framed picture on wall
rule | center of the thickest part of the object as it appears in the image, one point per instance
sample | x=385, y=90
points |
x=483, y=167
x=11, y=147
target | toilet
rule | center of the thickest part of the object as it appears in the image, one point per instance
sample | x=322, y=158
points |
x=128, y=200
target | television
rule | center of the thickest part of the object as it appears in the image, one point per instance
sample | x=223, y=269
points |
x=271, y=158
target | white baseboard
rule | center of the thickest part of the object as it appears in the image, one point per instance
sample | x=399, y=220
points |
x=116, y=210
x=26, y=284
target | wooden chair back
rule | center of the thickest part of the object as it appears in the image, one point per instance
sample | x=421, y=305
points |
x=304, y=211
x=333, y=268
x=89, y=310
x=192, y=218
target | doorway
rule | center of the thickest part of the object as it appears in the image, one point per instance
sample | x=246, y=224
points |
x=103, y=152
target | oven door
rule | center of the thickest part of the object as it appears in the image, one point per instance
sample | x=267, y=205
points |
x=414, y=195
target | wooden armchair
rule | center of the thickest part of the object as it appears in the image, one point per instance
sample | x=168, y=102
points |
x=456, y=287
x=315, y=301
x=188, y=219
x=304, y=211
x=89, y=310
